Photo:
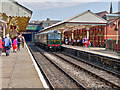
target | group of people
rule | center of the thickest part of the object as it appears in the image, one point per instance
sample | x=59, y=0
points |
x=82, y=42
x=86, y=42
x=9, y=43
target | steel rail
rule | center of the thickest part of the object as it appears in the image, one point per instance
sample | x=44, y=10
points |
x=81, y=86
x=51, y=86
x=93, y=65
x=93, y=74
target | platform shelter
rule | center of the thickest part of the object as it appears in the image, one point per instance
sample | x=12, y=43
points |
x=86, y=24
x=14, y=17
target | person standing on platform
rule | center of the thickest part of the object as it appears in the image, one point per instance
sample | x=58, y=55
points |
x=84, y=42
x=81, y=42
x=19, y=41
x=1, y=46
x=7, y=44
x=15, y=42
x=74, y=42
x=23, y=41
x=78, y=42
x=89, y=44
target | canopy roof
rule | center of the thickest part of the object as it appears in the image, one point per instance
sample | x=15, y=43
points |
x=14, y=14
x=86, y=18
x=13, y=9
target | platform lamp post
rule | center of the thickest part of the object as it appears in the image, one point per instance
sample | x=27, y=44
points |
x=117, y=36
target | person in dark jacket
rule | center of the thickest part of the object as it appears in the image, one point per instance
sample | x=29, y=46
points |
x=19, y=41
x=23, y=41
x=7, y=44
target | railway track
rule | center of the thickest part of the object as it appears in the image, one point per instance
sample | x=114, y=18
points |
x=108, y=77
x=106, y=62
x=84, y=75
x=54, y=74
x=89, y=81
x=91, y=64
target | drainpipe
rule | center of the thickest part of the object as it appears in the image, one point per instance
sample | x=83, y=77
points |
x=106, y=36
x=106, y=31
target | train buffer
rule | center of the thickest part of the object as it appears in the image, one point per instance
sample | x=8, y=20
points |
x=18, y=71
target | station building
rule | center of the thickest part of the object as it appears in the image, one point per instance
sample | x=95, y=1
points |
x=48, y=22
x=96, y=27
x=35, y=26
x=14, y=18
x=32, y=28
x=86, y=24
x=112, y=20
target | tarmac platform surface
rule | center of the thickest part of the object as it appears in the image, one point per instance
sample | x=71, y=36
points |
x=96, y=50
x=18, y=71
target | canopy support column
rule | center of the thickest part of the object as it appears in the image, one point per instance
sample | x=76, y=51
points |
x=72, y=35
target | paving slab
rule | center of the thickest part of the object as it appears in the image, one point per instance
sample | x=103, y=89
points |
x=18, y=71
x=5, y=82
x=7, y=72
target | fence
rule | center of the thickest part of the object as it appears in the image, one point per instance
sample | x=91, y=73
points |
x=111, y=45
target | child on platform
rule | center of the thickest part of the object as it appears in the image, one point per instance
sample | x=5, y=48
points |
x=89, y=44
x=1, y=46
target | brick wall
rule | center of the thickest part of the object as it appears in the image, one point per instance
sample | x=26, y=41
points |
x=111, y=33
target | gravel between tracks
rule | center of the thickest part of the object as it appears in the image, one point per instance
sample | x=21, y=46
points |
x=81, y=76
x=97, y=71
x=58, y=79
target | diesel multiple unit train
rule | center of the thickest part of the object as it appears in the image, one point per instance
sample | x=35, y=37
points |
x=49, y=40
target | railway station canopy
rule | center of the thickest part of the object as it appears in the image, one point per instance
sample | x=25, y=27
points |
x=86, y=19
x=13, y=16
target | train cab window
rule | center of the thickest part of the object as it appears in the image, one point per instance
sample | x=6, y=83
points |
x=58, y=36
x=50, y=36
x=54, y=36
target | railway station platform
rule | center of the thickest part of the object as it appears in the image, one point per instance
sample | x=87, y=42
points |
x=96, y=50
x=18, y=71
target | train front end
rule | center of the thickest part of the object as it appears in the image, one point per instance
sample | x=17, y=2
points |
x=55, y=40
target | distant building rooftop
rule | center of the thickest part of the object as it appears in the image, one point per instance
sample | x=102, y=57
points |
x=50, y=22
x=115, y=15
x=35, y=22
x=99, y=13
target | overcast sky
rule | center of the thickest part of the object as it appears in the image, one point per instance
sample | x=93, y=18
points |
x=63, y=9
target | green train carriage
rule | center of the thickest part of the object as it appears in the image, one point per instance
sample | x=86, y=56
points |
x=49, y=40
